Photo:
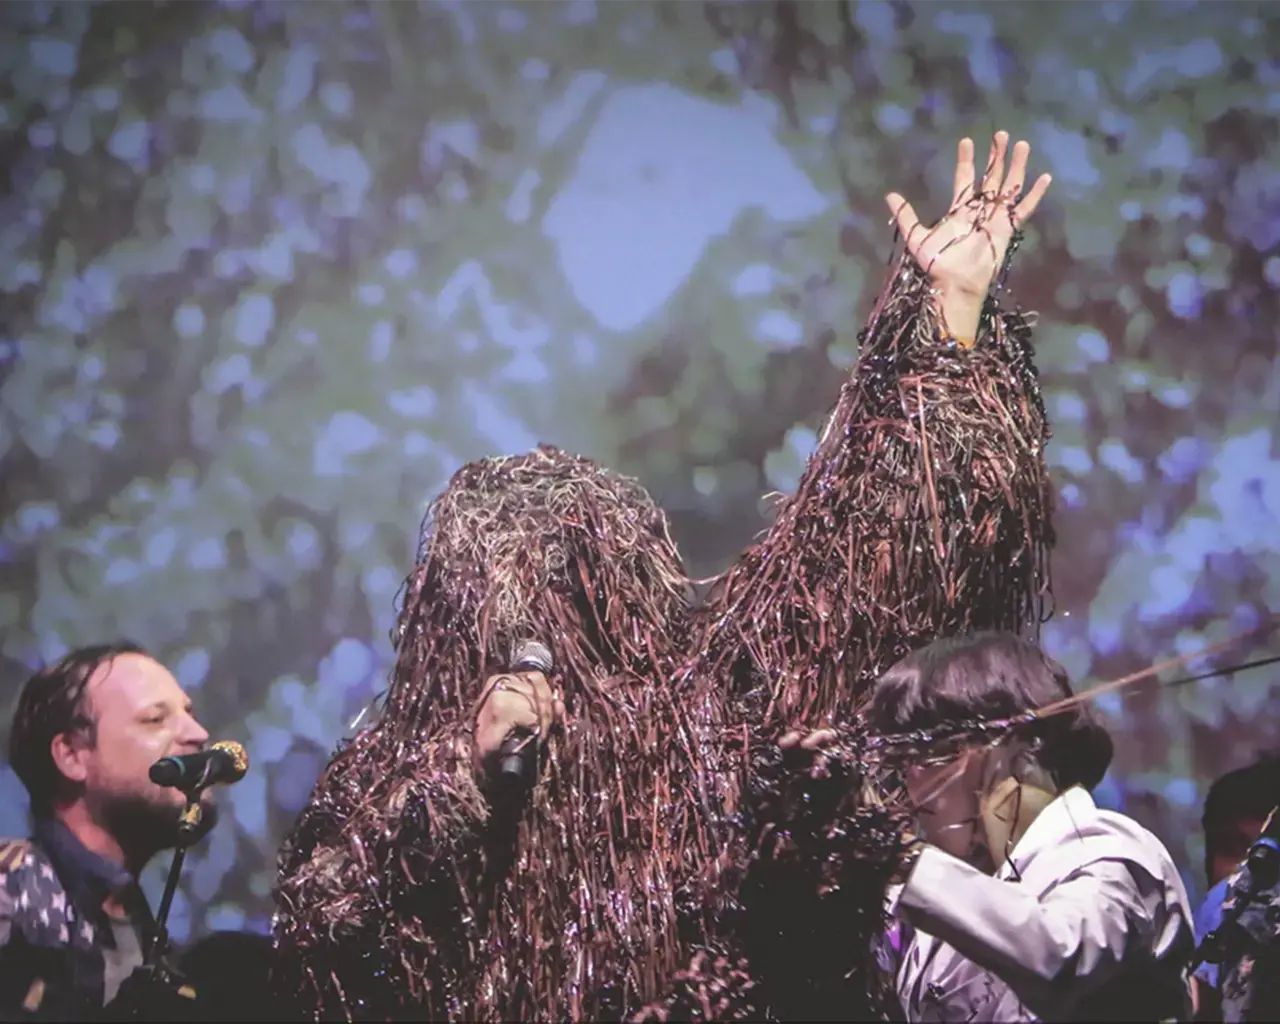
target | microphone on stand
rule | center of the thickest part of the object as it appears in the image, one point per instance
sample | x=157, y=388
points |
x=223, y=763
x=519, y=752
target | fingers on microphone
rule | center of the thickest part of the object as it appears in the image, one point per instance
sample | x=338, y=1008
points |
x=546, y=702
x=508, y=696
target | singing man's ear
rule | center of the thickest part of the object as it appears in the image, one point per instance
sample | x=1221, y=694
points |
x=69, y=751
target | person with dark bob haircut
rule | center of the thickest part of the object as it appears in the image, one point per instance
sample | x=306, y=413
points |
x=1022, y=900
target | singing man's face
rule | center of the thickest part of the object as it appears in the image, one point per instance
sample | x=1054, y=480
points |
x=140, y=715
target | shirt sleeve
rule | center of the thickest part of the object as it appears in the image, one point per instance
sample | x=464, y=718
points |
x=13, y=857
x=1207, y=918
x=6, y=912
x=1050, y=950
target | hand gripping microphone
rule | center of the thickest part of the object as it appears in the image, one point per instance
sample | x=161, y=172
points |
x=224, y=762
x=519, y=753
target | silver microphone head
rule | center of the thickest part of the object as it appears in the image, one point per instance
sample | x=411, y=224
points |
x=532, y=656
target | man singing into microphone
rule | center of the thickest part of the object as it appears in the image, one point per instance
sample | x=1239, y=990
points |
x=73, y=922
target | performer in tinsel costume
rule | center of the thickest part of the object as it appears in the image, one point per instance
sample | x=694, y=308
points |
x=410, y=888
x=924, y=511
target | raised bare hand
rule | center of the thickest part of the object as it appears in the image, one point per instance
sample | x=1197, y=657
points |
x=964, y=250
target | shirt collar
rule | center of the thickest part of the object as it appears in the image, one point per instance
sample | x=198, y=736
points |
x=88, y=877
x=1061, y=819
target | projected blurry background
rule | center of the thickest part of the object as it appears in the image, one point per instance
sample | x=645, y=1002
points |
x=271, y=271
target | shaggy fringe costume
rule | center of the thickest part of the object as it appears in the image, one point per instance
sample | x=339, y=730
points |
x=925, y=511
x=403, y=893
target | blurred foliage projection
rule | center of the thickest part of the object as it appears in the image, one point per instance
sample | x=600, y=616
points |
x=272, y=270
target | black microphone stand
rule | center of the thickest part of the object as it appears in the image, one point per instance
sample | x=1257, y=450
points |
x=155, y=991
x=188, y=825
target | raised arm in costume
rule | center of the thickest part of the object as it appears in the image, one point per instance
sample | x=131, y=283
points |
x=924, y=511
x=926, y=507
x=405, y=891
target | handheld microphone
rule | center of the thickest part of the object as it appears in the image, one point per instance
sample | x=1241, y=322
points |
x=224, y=762
x=519, y=753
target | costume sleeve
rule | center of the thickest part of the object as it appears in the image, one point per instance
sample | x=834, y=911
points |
x=1051, y=950
x=925, y=509
x=375, y=863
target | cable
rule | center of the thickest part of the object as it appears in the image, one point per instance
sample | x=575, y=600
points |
x=1229, y=670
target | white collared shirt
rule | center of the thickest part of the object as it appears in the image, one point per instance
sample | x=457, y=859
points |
x=1094, y=924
